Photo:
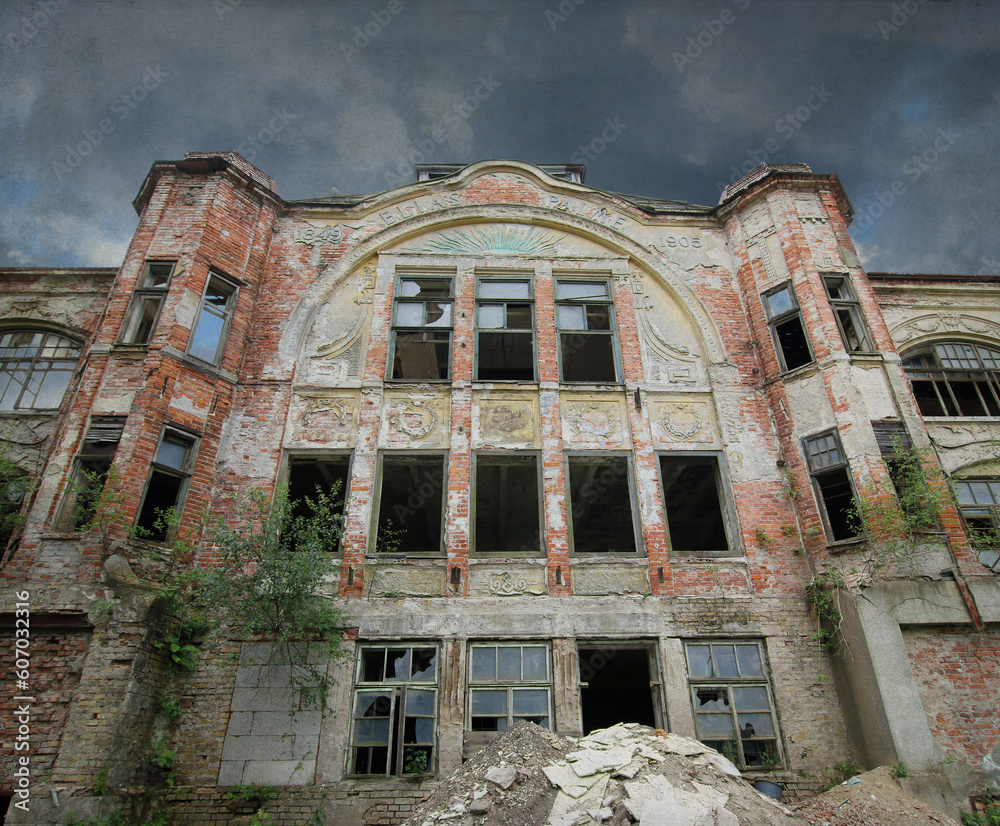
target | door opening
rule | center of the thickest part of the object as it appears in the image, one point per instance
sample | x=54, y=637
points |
x=615, y=687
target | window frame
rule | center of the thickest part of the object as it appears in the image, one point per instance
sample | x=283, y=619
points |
x=851, y=307
x=725, y=500
x=751, y=681
x=509, y=685
x=145, y=293
x=183, y=474
x=102, y=430
x=776, y=320
x=376, y=538
x=611, y=333
x=231, y=288
x=481, y=302
x=345, y=457
x=37, y=364
x=395, y=328
x=508, y=457
x=942, y=378
x=595, y=457
x=989, y=556
x=819, y=473
x=396, y=729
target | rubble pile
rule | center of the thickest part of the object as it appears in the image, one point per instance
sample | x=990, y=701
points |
x=627, y=774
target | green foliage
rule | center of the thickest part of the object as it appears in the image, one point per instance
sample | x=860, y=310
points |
x=843, y=770
x=763, y=540
x=13, y=488
x=415, y=761
x=991, y=817
x=101, y=783
x=113, y=819
x=819, y=594
x=252, y=794
x=899, y=771
x=163, y=758
x=259, y=818
x=170, y=708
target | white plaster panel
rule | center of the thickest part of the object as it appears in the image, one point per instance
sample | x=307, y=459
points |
x=873, y=390
x=511, y=580
x=415, y=420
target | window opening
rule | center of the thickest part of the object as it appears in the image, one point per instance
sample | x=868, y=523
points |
x=847, y=310
x=208, y=337
x=979, y=504
x=955, y=379
x=834, y=487
x=93, y=464
x=422, y=328
x=787, y=329
x=616, y=686
x=693, y=498
x=166, y=486
x=147, y=301
x=35, y=369
x=507, y=684
x=600, y=499
x=395, y=710
x=410, y=512
x=507, y=504
x=505, y=324
x=585, y=319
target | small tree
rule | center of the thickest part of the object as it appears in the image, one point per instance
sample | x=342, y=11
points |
x=13, y=487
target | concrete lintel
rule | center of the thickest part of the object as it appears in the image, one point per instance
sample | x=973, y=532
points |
x=986, y=593
x=921, y=602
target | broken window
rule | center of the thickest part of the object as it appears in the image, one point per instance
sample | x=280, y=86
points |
x=90, y=473
x=955, y=379
x=694, y=501
x=167, y=485
x=585, y=319
x=509, y=683
x=733, y=708
x=147, y=301
x=308, y=476
x=618, y=684
x=600, y=503
x=847, y=310
x=906, y=473
x=395, y=703
x=507, y=504
x=787, y=329
x=35, y=369
x=421, y=328
x=979, y=503
x=411, y=503
x=833, y=485
x=505, y=339
x=208, y=338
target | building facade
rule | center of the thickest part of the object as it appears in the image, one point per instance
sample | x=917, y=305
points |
x=600, y=458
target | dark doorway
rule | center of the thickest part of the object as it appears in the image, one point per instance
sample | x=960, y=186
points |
x=615, y=687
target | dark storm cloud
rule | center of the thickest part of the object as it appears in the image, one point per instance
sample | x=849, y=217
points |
x=669, y=99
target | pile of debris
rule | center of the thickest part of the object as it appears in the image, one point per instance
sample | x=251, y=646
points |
x=631, y=774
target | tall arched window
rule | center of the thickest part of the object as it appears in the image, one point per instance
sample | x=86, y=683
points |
x=955, y=378
x=35, y=369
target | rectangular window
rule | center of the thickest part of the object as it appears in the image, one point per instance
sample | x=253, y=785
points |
x=147, y=301
x=787, y=328
x=733, y=709
x=505, y=338
x=600, y=500
x=847, y=310
x=585, y=319
x=309, y=475
x=509, y=683
x=695, y=503
x=208, y=338
x=507, y=504
x=411, y=503
x=93, y=463
x=833, y=485
x=167, y=485
x=979, y=503
x=395, y=709
x=421, y=328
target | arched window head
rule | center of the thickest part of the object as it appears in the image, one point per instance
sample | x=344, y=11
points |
x=35, y=369
x=955, y=378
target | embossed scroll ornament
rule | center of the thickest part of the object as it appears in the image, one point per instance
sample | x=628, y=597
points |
x=596, y=420
x=413, y=418
x=506, y=584
x=685, y=422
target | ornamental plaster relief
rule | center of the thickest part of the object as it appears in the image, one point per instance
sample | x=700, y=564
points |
x=505, y=420
x=326, y=417
x=337, y=341
x=670, y=349
x=594, y=420
x=607, y=579
x=65, y=311
x=507, y=580
x=404, y=581
x=941, y=325
x=683, y=421
x=415, y=420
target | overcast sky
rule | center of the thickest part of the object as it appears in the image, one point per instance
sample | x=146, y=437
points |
x=668, y=99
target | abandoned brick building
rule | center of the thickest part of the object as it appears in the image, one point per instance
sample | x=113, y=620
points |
x=614, y=438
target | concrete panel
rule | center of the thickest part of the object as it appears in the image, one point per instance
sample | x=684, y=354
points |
x=397, y=580
x=507, y=580
x=610, y=579
x=986, y=593
x=921, y=602
x=673, y=666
